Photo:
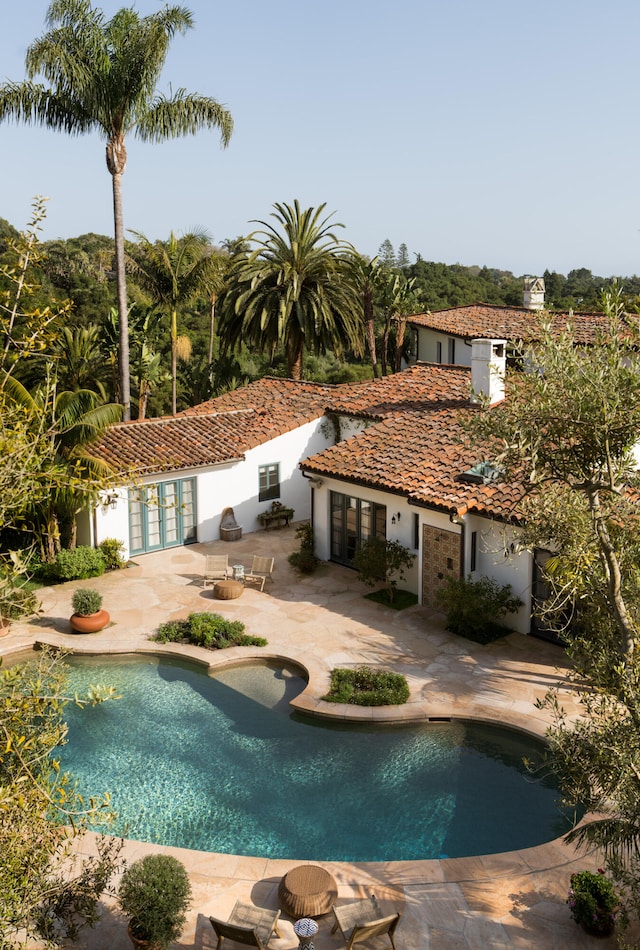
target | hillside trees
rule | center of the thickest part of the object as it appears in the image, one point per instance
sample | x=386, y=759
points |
x=102, y=76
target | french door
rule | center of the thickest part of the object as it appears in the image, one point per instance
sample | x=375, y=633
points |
x=354, y=521
x=162, y=515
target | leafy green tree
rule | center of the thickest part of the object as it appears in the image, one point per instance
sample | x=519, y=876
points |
x=48, y=889
x=173, y=273
x=102, y=76
x=381, y=560
x=398, y=301
x=402, y=259
x=568, y=432
x=293, y=289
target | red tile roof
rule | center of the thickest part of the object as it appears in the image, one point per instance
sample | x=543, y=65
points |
x=508, y=323
x=420, y=456
x=214, y=432
x=419, y=388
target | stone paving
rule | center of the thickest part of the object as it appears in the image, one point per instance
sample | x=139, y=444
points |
x=504, y=901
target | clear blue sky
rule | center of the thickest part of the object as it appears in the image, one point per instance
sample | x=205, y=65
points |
x=500, y=132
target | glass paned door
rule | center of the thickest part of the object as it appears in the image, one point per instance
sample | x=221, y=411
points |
x=354, y=521
x=162, y=515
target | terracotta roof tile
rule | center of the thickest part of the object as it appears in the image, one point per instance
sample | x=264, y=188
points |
x=420, y=456
x=216, y=431
x=169, y=444
x=419, y=388
x=508, y=323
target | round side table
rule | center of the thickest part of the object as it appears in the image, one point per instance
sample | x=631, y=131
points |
x=305, y=930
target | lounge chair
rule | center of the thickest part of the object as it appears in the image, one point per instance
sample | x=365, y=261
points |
x=261, y=570
x=248, y=925
x=362, y=920
x=216, y=568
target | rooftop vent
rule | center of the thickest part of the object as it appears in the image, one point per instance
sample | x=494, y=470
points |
x=533, y=293
x=482, y=473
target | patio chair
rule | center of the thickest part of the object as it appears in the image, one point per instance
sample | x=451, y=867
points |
x=248, y=925
x=216, y=568
x=260, y=571
x=361, y=920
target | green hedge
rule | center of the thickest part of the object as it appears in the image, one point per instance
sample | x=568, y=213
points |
x=366, y=687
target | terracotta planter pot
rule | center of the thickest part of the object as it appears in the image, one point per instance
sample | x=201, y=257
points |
x=90, y=623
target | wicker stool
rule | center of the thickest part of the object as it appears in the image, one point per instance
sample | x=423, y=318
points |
x=307, y=891
x=227, y=590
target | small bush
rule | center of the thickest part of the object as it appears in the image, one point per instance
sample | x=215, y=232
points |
x=172, y=631
x=366, y=687
x=305, y=559
x=112, y=551
x=86, y=601
x=381, y=560
x=474, y=608
x=207, y=630
x=77, y=564
x=593, y=901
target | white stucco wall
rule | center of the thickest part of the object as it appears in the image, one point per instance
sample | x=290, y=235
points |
x=234, y=485
x=493, y=538
x=427, y=347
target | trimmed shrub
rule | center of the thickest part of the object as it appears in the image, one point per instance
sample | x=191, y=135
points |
x=366, y=687
x=77, y=564
x=474, y=608
x=86, y=601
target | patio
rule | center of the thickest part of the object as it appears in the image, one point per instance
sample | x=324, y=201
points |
x=512, y=900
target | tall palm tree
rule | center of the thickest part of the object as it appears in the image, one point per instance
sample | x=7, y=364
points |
x=173, y=272
x=295, y=289
x=102, y=77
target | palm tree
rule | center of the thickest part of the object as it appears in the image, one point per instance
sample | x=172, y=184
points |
x=102, y=77
x=368, y=275
x=173, y=272
x=72, y=421
x=295, y=289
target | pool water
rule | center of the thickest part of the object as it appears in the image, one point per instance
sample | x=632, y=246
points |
x=221, y=764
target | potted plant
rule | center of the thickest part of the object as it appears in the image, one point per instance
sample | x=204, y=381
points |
x=88, y=616
x=155, y=893
x=594, y=902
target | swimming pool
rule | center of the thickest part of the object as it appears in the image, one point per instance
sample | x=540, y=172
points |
x=221, y=764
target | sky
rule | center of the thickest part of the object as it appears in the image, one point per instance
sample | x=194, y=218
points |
x=497, y=133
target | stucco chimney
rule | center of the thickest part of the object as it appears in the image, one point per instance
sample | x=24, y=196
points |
x=533, y=293
x=488, y=364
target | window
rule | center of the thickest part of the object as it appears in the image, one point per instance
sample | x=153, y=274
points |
x=269, y=482
x=474, y=551
x=416, y=531
x=451, y=349
x=162, y=515
x=439, y=351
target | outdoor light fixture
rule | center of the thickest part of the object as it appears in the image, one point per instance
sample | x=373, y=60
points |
x=111, y=500
x=395, y=518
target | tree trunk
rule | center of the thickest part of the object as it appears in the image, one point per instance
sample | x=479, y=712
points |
x=401, y=328
x=370, y=330
x=116, y=160
x=294, y=359
x=212, y=328
x=385, y=343
x=174, y=361
x=613, y=574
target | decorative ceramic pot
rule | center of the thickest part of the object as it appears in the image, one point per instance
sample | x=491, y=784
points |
x=89, y=623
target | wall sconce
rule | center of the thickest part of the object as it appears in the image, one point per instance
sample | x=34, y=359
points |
x=395, y=518
x=110, y=500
